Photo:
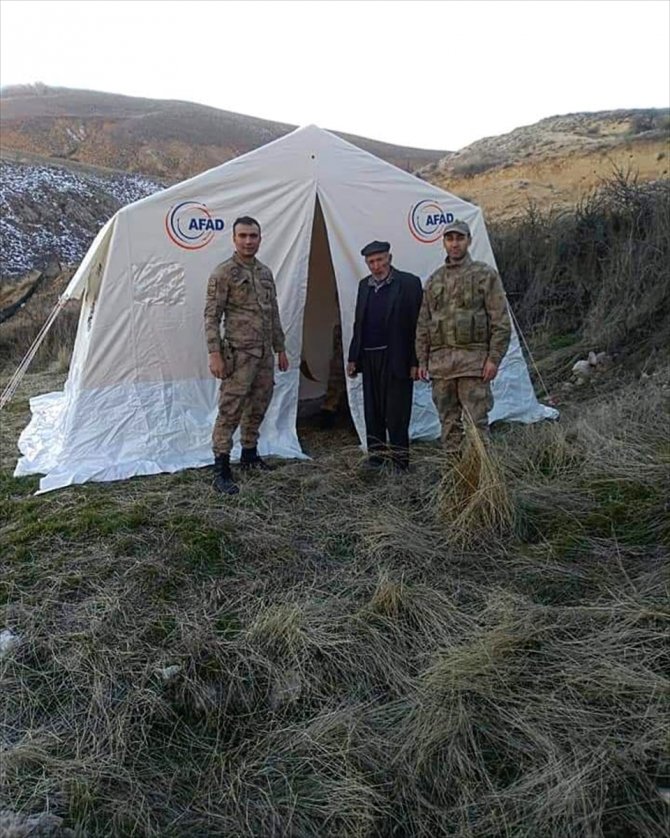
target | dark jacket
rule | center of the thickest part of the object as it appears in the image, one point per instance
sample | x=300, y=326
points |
x=404, y=302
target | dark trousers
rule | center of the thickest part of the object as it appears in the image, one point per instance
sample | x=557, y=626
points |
x=387, y=403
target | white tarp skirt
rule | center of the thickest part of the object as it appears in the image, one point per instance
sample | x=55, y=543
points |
x=146, y=429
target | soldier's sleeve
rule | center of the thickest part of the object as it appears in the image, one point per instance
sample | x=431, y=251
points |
x=422, y=343
x=215, y=303
x=499, y=320
x=278, y=340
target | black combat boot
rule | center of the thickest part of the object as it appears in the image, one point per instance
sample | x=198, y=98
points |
x=223, y=480
x=250, y=460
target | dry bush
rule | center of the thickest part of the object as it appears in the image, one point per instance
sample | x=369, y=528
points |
x=471, y=167
x=18, y=333
x=595, y=276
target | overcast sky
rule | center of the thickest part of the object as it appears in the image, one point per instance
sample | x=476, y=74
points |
x=428, y=74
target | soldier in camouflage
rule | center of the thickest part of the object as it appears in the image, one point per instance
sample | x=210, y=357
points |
x=242, y=292
x=462, y=334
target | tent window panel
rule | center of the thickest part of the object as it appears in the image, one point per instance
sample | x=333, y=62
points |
x=159, y=283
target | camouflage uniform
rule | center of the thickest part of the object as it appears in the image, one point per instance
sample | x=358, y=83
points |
x=337, y=386
x=463, y=322
x=245, y=295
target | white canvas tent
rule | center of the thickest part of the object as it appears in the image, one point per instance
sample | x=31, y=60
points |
x=139, y=398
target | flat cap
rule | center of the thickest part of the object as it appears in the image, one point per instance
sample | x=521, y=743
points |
x=375, y=247
x=457, y=226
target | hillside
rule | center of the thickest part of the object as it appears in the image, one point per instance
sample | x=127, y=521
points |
x=157, y=138
x=70, y=159
x=555, y=162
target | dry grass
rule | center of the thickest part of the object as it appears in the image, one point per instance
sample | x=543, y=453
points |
x=18, y=333
x=10, y=293
x=345, y=654
x=472, y=496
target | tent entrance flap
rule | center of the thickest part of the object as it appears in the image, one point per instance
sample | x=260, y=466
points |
x=321, y=314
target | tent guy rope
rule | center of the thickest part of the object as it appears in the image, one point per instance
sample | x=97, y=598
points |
x=22, y=368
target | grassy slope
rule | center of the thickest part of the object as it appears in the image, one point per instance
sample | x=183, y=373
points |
x=362, y=656
x=347, y=665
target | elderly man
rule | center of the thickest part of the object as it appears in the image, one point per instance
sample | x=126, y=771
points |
x=382, y=349
x=242, y=291
x=463, y=332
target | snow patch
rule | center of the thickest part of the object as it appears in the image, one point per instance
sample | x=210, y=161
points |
x=49, y=212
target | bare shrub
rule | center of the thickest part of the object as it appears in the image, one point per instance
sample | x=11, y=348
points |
x=470, y=168
x=61, y=361
x=598, y=273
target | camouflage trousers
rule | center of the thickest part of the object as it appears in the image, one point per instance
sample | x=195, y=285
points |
x=458, y=397
x=244, y=398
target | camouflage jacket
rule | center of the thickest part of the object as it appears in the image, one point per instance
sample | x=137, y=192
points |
x=245, y=296
x=463, y=320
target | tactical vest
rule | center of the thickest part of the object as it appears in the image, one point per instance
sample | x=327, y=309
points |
x=459, y=319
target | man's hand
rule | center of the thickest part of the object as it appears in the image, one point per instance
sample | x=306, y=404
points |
x=282, y=361
x=422, y=374
x=414, y=373
x=352, y=372
x=489, y=371
x=217, y=366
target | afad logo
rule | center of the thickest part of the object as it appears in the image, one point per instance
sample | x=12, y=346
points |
x=191, y=225
x=426, y=220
